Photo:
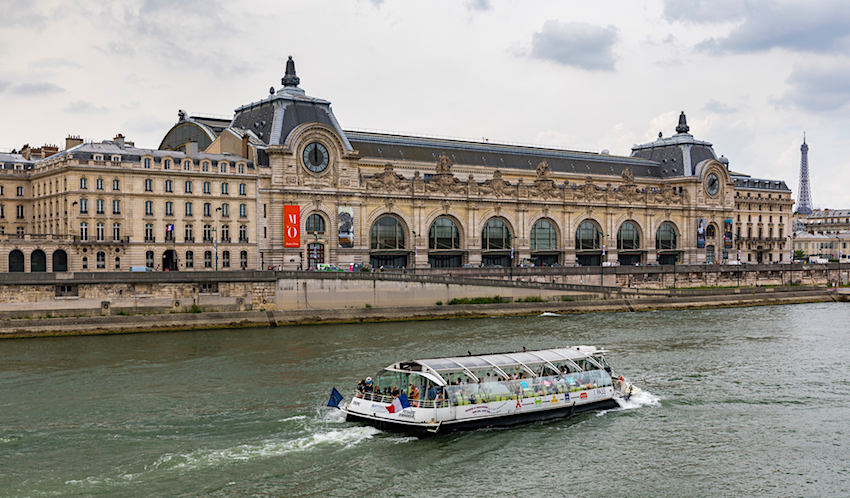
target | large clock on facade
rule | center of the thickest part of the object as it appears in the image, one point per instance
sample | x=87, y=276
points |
x=712, y=184
x=316, y=157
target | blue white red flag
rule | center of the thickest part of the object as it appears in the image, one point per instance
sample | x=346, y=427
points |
x=169, y=227
x=399, y=404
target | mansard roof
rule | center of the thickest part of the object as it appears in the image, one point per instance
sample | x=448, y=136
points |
x=387, y=147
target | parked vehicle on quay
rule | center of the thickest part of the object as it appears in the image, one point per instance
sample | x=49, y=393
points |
x=440, y=395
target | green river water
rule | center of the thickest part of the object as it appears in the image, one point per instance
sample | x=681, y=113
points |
x=737, y=402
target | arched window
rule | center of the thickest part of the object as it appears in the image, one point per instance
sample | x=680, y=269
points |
x=190, y=259
x=149, y=259
x=60, y=261
x=496, y=236
x=443, y=235
x=588, y=237
x=225, y=259
x=709, y=254
x=243, y=259
x=544, y=237
x=16, y=261
x=38, y=261
x=387, y=233
x=315, y=224
x=101, y=260
x=665, y=237
x=711, y=231
x=628, y=237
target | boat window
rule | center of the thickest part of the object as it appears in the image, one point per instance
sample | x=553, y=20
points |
x=487, y=392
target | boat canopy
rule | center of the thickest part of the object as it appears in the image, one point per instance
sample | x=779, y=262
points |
x=533, y=363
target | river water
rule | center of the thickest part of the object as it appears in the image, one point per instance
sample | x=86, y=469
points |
x=737, y=402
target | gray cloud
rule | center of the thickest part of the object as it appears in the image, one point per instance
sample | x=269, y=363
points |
x=146, y=123
x=53, y=63
x=818, y=87
x=118, y=48
x=802, y=26
x=479, y=5
x=576, y=44
x=718, y=107
x=36, y=89
x=83, y=107
x=4, y=85
x=20, y=13
x=704, y=11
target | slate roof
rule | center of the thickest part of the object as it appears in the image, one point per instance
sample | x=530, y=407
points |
x=134, y=154
x=388, y=147
x=760, y=184
x=8, y=161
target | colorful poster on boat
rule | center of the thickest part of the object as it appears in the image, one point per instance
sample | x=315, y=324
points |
x=291, y=226
x=345, y=221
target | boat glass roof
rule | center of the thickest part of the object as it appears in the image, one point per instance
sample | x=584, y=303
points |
x=502, y=360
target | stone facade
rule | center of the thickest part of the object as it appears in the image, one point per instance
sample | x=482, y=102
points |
x=388, y=200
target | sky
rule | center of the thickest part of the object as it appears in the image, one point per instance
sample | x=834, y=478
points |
x=751, y=75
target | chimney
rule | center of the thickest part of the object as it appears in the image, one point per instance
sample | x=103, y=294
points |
x=48, y=150
x=73, y=141
x=119, y=140
x=26, y=152
x=245, y=145
x=191, y=148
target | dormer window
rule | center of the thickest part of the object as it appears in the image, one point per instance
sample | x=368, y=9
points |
x=187, y=165
x=166, y=164
x=116, y=159
x=98, y=157
x=205, y=166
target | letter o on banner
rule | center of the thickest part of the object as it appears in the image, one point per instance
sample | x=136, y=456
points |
x=291, y=226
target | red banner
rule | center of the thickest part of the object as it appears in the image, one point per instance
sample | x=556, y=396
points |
x=291, y=226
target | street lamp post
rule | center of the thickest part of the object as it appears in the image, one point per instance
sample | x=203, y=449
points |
x=838, y=248
x=602, y=262
x=791, y=261
x=316, y=250
x=415, y=251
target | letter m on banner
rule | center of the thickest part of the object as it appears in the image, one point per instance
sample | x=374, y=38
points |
x=291, y=226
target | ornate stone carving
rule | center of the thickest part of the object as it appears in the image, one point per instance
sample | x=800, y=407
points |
x=627, y=176
x=543, y=171
x=445, y=184
x=389, y=180
x=444, y=165
x=495, y=186
x=589, y=191
x=389, y=203
x=446, y=206
x=629, y=194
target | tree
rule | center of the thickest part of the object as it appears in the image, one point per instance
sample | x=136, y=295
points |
x=799, y=254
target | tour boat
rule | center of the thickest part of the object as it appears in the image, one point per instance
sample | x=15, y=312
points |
x=476, y=391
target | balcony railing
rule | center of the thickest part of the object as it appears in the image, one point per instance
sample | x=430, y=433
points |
x=150, y=239
x=105, y=240
x=243, y=240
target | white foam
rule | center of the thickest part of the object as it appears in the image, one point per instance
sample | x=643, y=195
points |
x=550, y=314
x=331, y=415
x=637, y=400
x=296, y=417
x=203, y=458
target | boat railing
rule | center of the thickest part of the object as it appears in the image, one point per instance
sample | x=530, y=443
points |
x=415, y=403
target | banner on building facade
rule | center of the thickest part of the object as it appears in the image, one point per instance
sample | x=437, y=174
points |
x=345, y=221
x=291, y=226
x=701, y=233
x=727, y=234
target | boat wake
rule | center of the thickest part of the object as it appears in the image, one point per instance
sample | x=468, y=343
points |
x=639, y=399
x=550, y=314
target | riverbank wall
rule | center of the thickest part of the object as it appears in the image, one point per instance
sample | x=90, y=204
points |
x=175, y=320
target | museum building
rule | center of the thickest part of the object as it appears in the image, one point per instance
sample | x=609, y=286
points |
x=282, y=184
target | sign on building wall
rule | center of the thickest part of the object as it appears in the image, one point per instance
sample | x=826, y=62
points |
x=345, y=221
x=701, y=233
x=291, y=226
x=727, y=234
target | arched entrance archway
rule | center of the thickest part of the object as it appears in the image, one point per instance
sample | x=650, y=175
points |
x=16, y=261
x=38, y=261
x=588, y=244
x=388, y=243
x=496, y=243
x=444, y=250
x=169, y=260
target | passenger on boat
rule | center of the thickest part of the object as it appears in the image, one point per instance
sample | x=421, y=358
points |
x=369, y=388
x=361, y=387
x=395, y=393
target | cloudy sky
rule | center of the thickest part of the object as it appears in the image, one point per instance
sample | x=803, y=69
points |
x=751, y=75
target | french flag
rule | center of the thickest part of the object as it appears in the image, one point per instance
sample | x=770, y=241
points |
x=399, y=404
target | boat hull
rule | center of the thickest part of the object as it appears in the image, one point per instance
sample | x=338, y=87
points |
x=507, y=420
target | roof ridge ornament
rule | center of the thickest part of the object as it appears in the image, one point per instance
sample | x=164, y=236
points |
x=289, y=78
x=683, y=123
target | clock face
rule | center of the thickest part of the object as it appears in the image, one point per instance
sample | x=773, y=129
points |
x=316, y=157
x=712, y=184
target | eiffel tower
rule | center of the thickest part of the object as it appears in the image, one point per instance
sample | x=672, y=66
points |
x=804, y=198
